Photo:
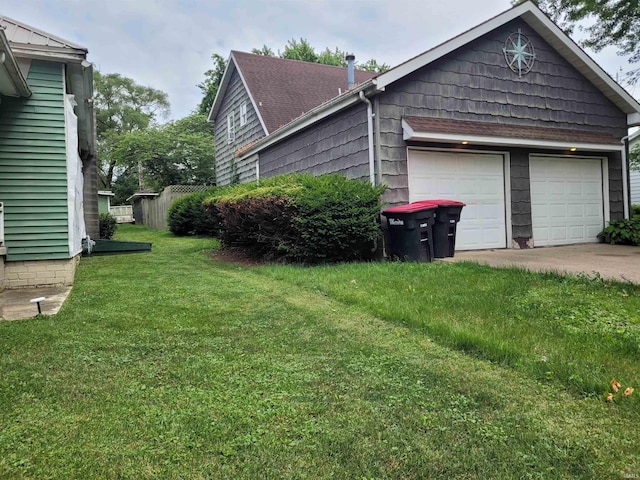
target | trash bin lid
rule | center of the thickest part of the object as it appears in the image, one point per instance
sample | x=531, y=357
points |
x=442, y=203
x=411, y=207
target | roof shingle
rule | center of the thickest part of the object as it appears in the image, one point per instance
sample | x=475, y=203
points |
x=285, y=89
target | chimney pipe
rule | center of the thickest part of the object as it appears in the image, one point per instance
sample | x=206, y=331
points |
x=350, y=58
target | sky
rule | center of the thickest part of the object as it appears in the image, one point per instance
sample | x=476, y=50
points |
x=167, y=44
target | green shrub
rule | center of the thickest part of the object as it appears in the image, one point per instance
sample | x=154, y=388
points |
x=300, y=218
x=108, y=226
x=623, y=232
x=187, y=215
x=635, y=210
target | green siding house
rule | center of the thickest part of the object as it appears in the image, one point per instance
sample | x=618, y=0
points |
x=48, y=166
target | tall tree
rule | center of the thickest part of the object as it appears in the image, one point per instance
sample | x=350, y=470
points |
x=335, y=57
x=122, y=107
x=301, y=50
x=373, y=66
x=209, y=87
x=615, y=23
x=178, y=152
x=266, y=51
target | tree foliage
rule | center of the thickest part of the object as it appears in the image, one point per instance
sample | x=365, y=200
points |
x=615, y=23
x=178, y=152
x=122, y=107
x=209, y=87
x=299, y=50
x=634, y=157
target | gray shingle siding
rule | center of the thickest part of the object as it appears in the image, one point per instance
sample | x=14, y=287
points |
x=473, y=83
x=336, y=144
x=227, y=164
x=520, y=195
x=616, y=201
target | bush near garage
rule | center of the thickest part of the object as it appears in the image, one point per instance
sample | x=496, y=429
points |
x=300, y=218
x=187, y=215
x=635, y=210
x=107, y=225
x=622, y=232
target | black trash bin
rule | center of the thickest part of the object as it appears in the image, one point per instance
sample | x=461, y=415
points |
x=410, y=235
x=444, y=228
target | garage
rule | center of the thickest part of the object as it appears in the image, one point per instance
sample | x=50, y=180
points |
x=477, y=179
x=567, y=201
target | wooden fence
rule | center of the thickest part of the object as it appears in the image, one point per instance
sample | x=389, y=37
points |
x=155, y=209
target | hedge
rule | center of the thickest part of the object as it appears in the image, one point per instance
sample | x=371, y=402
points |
x=187, y=215
x=300, y=218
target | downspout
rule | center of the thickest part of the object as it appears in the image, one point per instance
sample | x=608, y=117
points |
x=626, y=184
x=378, y=153
x=372, y=172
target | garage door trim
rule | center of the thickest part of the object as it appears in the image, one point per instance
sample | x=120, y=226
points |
x=506, y=170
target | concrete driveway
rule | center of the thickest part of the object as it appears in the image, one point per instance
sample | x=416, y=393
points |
x=615, y=262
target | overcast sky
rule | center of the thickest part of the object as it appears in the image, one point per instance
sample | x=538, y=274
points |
x=167, y=44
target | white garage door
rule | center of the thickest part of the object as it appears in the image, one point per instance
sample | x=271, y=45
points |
x=566, y=200
x=477, y=179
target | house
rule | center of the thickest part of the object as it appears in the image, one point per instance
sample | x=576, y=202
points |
x=634, y=175
x=511, y=117
x=48, y=166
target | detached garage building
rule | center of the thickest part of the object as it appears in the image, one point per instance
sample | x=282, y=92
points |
x=511, y=117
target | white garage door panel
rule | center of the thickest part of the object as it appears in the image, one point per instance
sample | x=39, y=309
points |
x=473, y=178
x=566, y=200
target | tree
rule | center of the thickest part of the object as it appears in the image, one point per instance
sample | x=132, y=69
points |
x=295, y=50
x=373, y=66
x=122, y=106
x=266, y=51
x=211, y=83
x=634, y=158
x=179, y=152
x=617, y=23
x=336, y=57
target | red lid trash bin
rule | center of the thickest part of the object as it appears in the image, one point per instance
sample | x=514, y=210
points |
x=409, y=232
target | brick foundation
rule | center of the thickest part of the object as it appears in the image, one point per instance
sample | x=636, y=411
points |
x=40, y=273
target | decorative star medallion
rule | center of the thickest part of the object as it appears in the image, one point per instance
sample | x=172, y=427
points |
x=519, y=53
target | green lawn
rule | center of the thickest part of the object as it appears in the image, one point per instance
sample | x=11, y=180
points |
x=171, y=365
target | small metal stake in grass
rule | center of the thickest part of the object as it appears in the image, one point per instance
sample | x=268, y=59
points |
x=38, y=300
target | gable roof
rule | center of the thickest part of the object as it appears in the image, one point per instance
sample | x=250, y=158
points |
x=552, y=34
x=528, y=12
x=30, y=42
x=281, y=89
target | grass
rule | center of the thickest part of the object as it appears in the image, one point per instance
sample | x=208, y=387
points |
x=169, y=365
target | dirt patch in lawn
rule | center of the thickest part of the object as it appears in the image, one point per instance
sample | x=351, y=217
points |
x=237, y=256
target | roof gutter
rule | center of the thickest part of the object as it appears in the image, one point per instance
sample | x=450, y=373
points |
x=328, y=108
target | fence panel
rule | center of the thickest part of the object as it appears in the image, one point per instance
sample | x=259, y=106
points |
x=155, y=209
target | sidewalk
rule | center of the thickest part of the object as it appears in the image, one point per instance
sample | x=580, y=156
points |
x=16, y=305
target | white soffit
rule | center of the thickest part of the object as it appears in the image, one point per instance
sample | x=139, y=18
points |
x=409, y=134
x=12, y=82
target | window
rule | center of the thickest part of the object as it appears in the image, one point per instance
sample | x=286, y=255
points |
x=231, y=127
x=243, y=114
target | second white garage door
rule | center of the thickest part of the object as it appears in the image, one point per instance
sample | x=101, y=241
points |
x=566, y=200
x=477, y=179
